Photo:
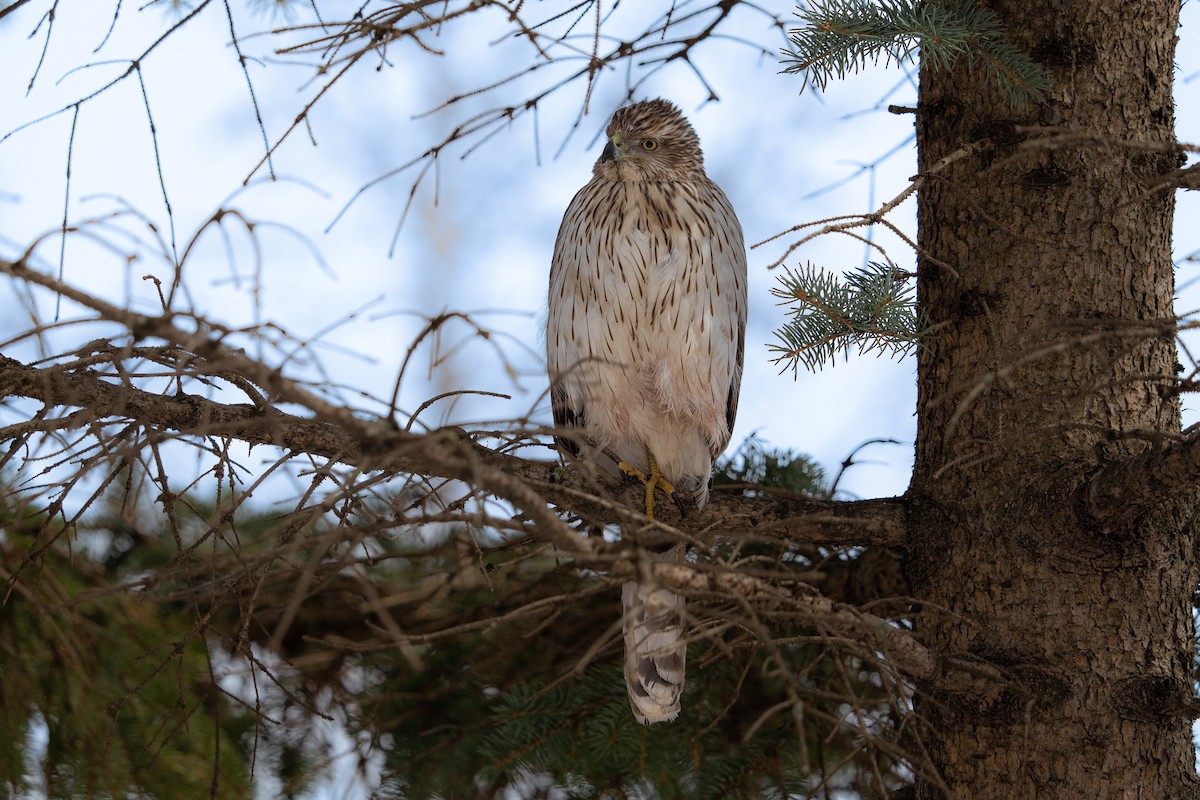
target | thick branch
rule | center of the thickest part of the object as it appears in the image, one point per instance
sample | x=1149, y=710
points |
x=375, y=445
x=905, y=652
x=371, y=445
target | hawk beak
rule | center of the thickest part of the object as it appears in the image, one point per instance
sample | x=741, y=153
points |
x=612, y=150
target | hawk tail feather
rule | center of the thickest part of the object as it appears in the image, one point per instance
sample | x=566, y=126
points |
x=655, y=651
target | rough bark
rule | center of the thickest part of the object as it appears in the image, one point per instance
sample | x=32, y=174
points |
x=1047, y=267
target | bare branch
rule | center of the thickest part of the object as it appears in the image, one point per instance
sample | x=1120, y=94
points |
x=446, y=453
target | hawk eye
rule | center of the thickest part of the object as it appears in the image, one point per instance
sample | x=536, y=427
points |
x=650, y=145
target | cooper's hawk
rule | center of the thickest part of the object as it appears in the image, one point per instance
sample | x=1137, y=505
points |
x=647, y=316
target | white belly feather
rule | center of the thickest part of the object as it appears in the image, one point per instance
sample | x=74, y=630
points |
x=646, y=339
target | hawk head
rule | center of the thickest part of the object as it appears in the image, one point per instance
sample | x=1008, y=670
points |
x=650, y=140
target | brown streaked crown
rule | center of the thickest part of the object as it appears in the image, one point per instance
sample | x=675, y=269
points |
x=676, y=156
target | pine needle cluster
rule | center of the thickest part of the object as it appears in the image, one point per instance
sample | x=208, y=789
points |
x=872, y=309
x=843, y=36
x=578, y=735
x=754, y=462
x=103, y=694
x=124, y=689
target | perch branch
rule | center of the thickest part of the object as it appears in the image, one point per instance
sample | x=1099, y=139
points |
x=373, y=445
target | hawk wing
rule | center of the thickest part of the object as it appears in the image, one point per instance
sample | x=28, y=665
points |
x=729, y=265
x=565, y=352
x=566, y=417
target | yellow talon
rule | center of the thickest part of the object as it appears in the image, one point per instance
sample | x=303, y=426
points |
x=656, y=480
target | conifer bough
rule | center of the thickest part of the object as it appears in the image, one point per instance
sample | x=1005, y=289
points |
x=871, y=309
x=843, y=36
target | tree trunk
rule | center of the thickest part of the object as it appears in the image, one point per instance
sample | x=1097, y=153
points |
x=1046, y=266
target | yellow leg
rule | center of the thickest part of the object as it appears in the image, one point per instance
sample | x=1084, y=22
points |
x=655, y=480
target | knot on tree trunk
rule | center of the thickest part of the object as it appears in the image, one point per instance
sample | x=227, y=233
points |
x=1154, y=698
x=980, y=693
